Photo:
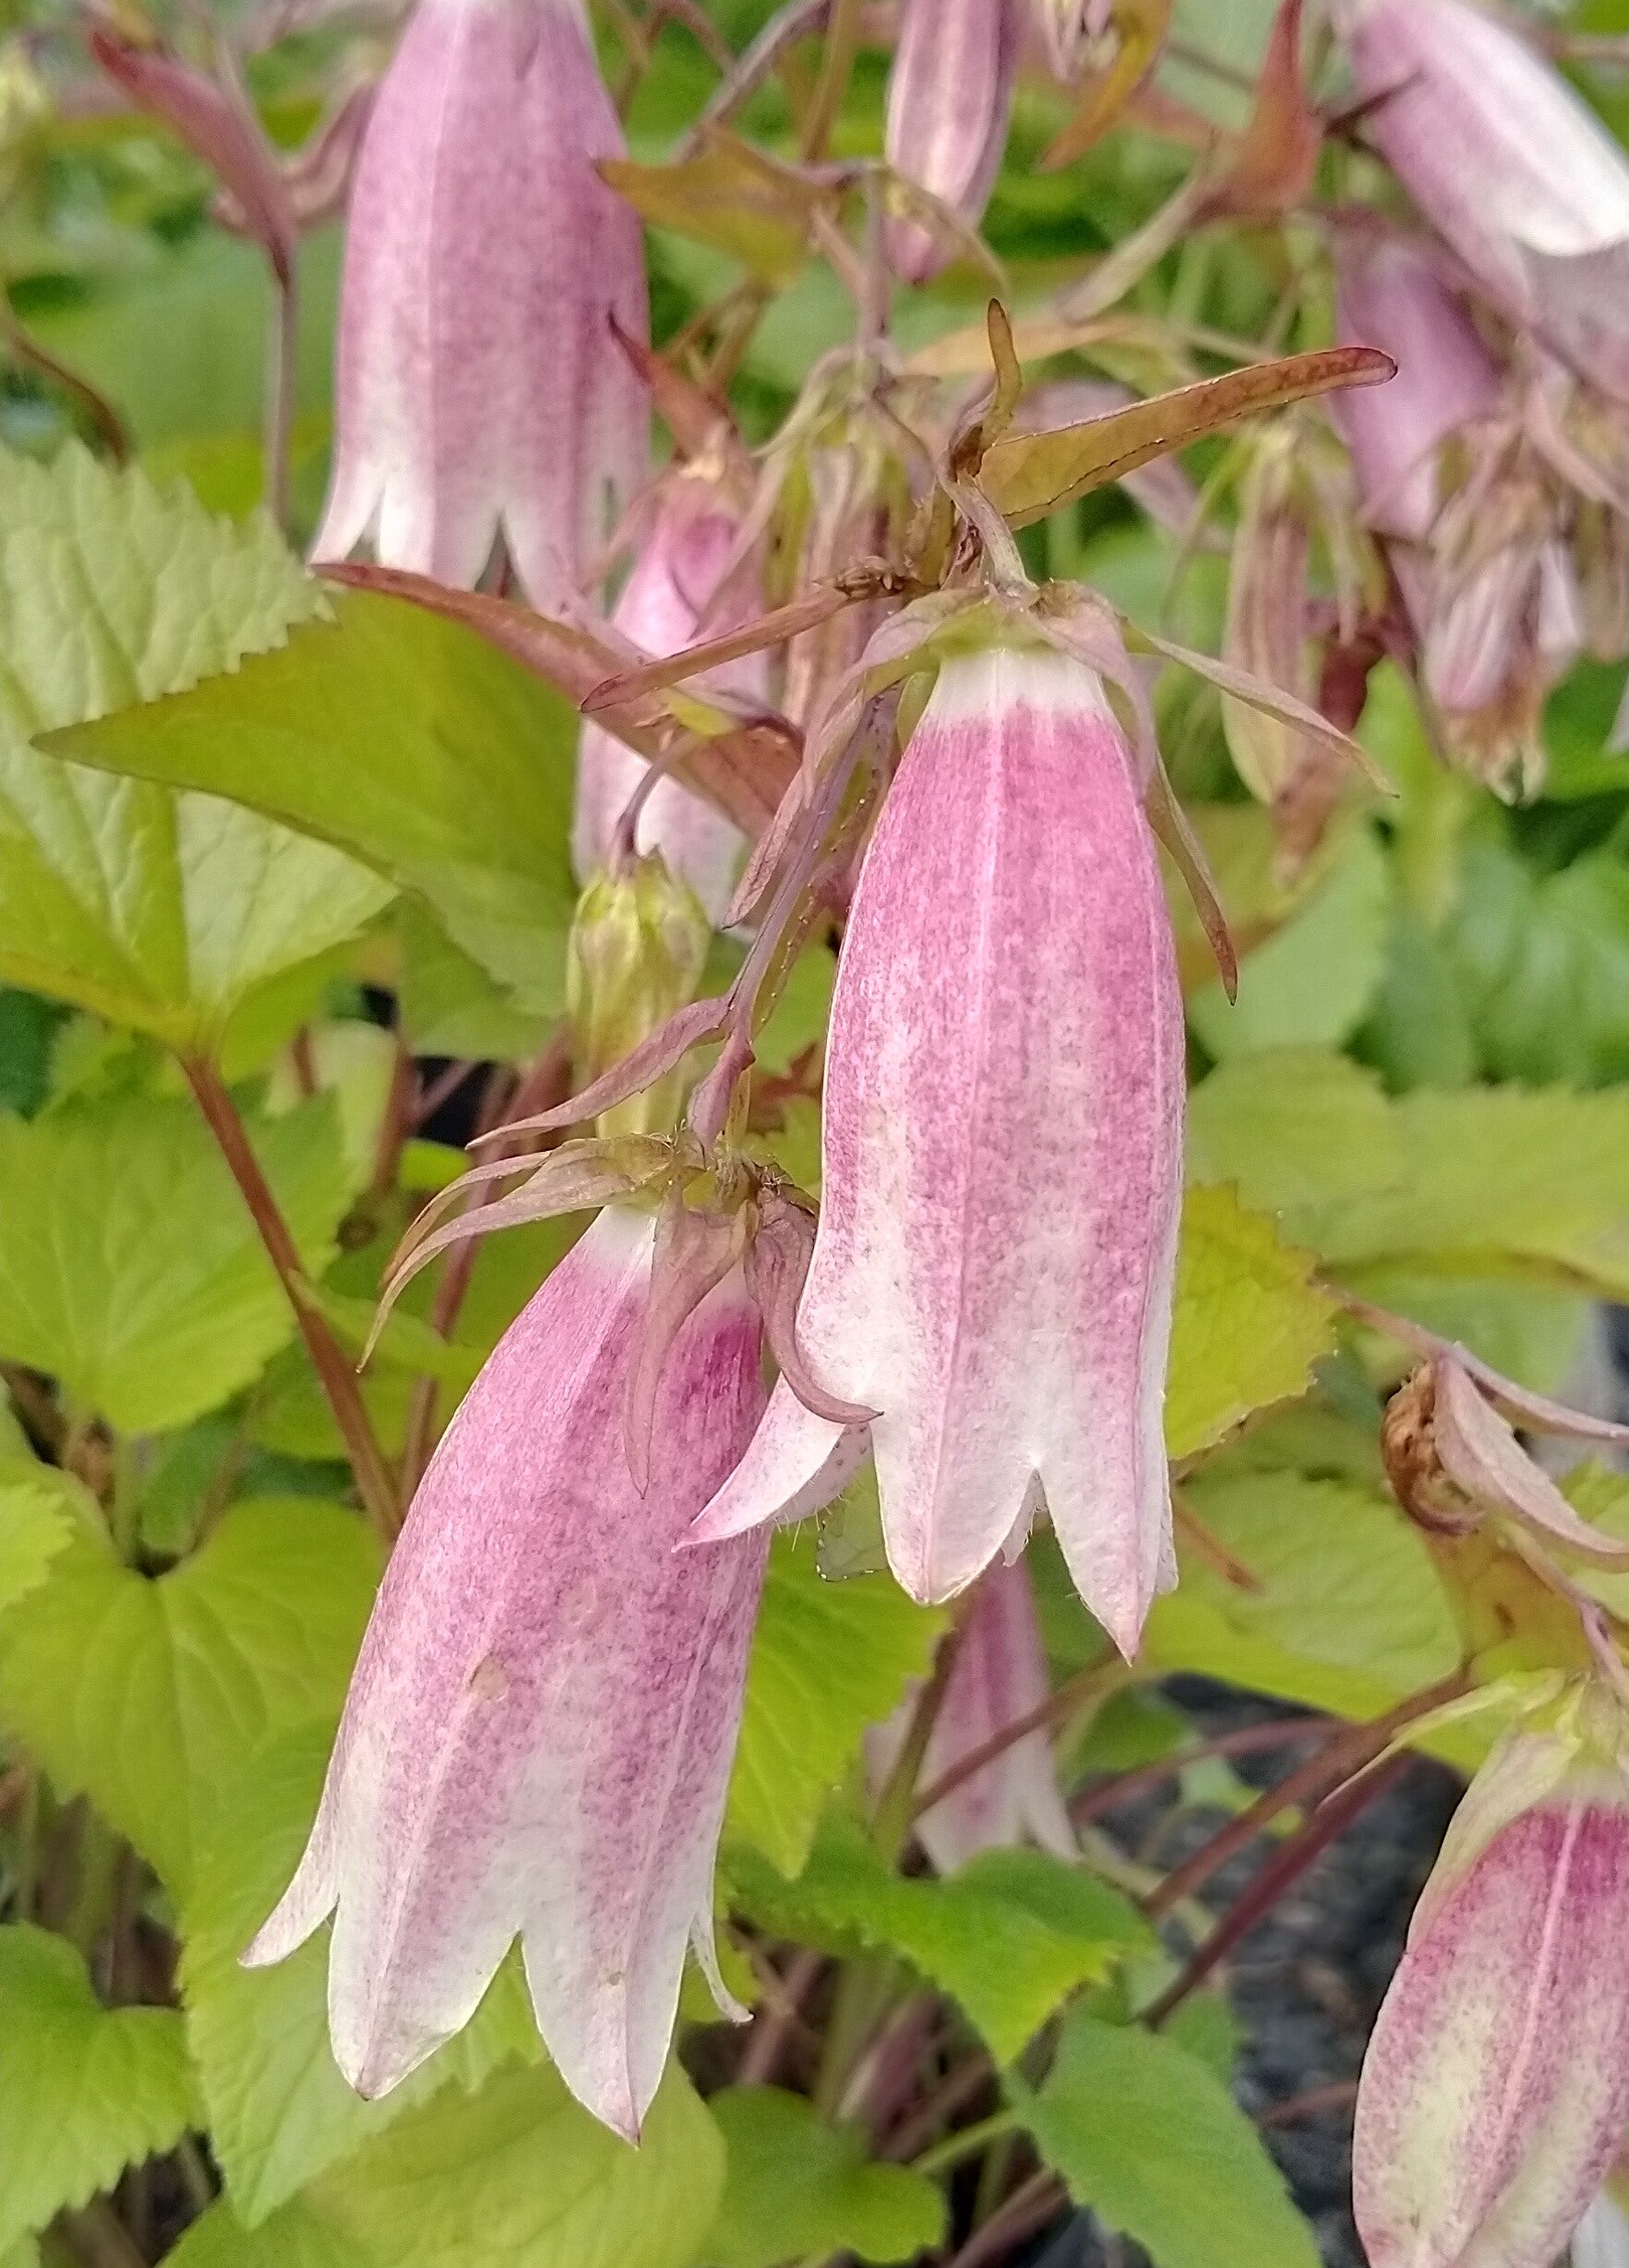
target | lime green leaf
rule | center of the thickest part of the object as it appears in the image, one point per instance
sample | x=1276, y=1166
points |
x=796, y=2189
x=1536, y=1176
x=150, y=1697
x=1249, y=1321
x=167, y=913
x=41, y=1509
x=1293, y=1126
x=85, y=2091
x=1151, y=2140
x=279, y=2112
x=1009, y=1936
x=450, y=1005
x=1346, y=1613
x=406, y=741
x=1544, y=961
x=1312, y=979
x=800, y=1017
x=129, y=1267
x=518, y=2176
x=828, y=1659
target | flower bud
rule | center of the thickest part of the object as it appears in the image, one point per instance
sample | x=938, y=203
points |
x=998, y=1677
x=663, y=606
x=947, y=99
x=1495, y=2090
x=480, y=390
x=638, y=947
x=538, y=1737
x=1297, y=487
x=1003, y=1138
x=1508, y=163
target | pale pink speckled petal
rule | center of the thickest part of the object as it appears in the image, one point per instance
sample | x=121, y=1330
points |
x=948, y=97
x=1392, y=295
x=1002, y=1139
x=999, y=1675
x=1507, y=161
x=478, y=382
x=1495, y=2092
x=539, y=1733
x=797, y=1464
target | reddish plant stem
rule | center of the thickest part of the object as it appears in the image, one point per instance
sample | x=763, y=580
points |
x=328, y=1358
x=774, y=2026
x=401, y=1106
x=442, y=1089
x=891, y=1820
x=1331, y=1819
x=1032, y=2205
x=1311, y=2102
x=1243, y=1740
x=1346, y=1753
x=1084, y=1686
x=961, y=2085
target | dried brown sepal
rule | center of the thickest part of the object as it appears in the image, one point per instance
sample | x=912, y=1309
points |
x=1028, y=476
x=1413, y=1462
x=1272, y=167
x=1140, y=26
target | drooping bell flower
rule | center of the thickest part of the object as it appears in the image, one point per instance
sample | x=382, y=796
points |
x=480, y=390
x=998, y=1677
x=992, y=1271
x=1507, y=163
x=1495, y=2089
x=948, y=98
x=1391, y=294
x=666, y=601
x=538, y=1736
x=1478, y=523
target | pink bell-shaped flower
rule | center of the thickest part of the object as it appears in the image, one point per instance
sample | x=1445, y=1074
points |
x=661, y=609
x=1391, y=294
x=481, y=389
x=538, y=1736
x=1495, y=2091
x=947, y=99
x=1508, y=164
x=998, y=1677
x=993, y=1268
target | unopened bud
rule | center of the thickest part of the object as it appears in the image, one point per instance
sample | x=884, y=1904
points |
x=638, y=945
